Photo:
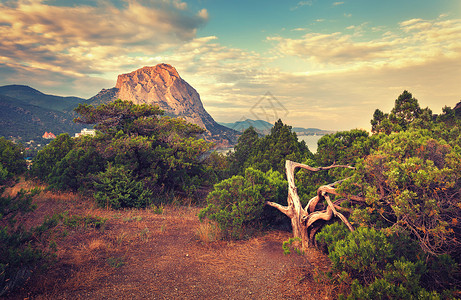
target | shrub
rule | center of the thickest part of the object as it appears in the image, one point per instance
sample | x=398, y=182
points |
x=19, y=252
x=237, y=204
x=11, y=159
x=118, y=188
x=330, y=234
x=49, y=156
x=362, y=254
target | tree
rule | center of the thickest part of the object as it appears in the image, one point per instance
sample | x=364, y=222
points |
x=306, y=221
x=162, y=152
x=246, y=146
x=272, y=150
x=115, y=116
x=412, y=183
x=406, y=110
x=49, y=156
x=11, y=157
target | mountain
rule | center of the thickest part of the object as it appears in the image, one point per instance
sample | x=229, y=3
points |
x=264, y=127
x=161, y=85
x=27, y=113
x=33, y=97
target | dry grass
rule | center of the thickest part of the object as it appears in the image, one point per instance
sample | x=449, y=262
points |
x=208, y=232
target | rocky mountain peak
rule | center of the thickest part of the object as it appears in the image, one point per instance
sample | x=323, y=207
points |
x=161, y=73
x=161, y=85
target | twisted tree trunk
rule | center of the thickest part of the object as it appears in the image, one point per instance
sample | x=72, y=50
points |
x=305, y=220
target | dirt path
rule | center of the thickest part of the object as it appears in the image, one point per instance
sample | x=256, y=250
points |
x=143, y=255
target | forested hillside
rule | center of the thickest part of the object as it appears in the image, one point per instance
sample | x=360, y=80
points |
x=26, y=113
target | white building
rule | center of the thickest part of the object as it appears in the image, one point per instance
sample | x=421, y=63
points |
x=86, y=131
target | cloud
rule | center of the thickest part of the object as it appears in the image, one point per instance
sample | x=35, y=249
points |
x=83, y=39
x=334, y=48
x=338, y=3
x=417, y=41
x=302, y=4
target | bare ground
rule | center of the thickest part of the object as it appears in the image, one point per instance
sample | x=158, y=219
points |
x=140, y=254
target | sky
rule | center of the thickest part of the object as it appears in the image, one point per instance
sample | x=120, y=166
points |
x=314, y=64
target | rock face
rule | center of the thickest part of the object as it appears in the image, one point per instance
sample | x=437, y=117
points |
x=161, y=85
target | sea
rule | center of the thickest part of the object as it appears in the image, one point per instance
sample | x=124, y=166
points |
x=311, y=141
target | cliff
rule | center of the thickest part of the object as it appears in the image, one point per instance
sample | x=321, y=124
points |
x=161, y=85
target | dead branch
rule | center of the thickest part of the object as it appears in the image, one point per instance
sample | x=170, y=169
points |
x=303, y=219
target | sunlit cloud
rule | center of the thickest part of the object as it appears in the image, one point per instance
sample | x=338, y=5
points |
x=416, y=42
x=87, y=38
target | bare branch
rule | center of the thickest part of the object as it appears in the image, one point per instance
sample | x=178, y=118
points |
x=315, y=169
x=325, y=215
x=310, y=207
x=336, y=213
x=284, y=209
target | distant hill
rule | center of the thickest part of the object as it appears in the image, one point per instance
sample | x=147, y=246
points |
x=260, y=126
x=27, y=113
x=264, y=127
x=34, y=97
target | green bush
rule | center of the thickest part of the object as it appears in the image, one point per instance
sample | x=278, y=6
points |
x=362, y=253
x=20, y=253
x=49, y=156
x=118, y=188
x=73, y=171
x=385, y=290
x=237, y=204
x=12, y=160
x=326, y=239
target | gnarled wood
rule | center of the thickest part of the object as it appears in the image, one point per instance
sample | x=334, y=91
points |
x=304, y=221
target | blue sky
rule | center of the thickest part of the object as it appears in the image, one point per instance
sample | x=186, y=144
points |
x=326, y=64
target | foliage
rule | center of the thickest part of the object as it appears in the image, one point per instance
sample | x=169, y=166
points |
x=330, y=234
x=11, y=158
x=412, y=182
x=405, y=111
x=20, y=253
x=292, y=243
x=274, y=149
x=343, y=147
x=246, y=145
x=162, y=153
x=269, y=152
x=237, y=204
x=48, y=157
x=116, y=187
x=87, y=221
x=362, y=253
x=73, y=170
x=381, y=266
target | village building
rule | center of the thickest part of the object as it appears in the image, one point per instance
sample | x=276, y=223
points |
x=86, y=131
x=48, y=135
